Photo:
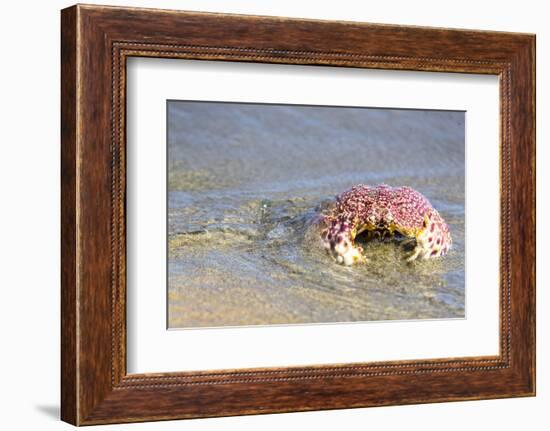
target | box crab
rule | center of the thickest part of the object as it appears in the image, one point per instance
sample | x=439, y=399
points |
x=382, y=211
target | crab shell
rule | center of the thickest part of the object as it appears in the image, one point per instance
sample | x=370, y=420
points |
x=382, y=211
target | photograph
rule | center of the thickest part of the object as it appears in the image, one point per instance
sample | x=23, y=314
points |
x=281, y=214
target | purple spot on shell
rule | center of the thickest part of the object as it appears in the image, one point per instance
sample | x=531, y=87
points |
x=432, y=227
x=434, y=252
x=438, y=241
x=430, y=239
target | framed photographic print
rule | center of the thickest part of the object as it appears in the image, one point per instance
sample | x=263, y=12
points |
x=263, y=214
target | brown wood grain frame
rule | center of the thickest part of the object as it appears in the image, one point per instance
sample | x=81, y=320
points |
x=96, y=41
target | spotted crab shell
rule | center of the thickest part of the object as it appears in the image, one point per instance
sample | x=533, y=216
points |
x=383, y=210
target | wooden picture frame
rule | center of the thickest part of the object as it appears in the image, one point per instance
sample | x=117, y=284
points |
x=95, y=43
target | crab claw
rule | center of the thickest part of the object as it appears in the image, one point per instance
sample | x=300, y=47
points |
x=348, y=254
x=338, y=242
x=433, y=240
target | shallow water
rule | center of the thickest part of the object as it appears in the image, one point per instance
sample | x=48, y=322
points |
x=245, y=181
